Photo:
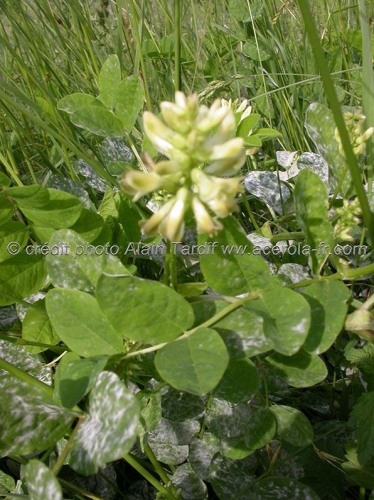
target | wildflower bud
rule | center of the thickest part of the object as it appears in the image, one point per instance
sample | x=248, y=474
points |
x=172, y=227
x=162, y=137
x=139, y=183
x=205, y=223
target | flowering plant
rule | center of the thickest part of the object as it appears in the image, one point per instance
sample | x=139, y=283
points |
x=202, y=152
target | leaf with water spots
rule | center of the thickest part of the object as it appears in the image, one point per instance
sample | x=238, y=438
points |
x=261, y=428
x=300, y=370
x=229, y=476
x=292, y=425
x=281, y=488
x=109, y=430
x=41, y=482
x=286, y=317
x=30, y=421
x=189, y=484
x=311, y=207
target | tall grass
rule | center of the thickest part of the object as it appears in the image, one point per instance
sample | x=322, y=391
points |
x=218, y=48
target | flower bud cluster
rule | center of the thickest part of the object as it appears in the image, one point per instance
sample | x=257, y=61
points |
x=201, y=150
x=348, y=217
x=355, y=125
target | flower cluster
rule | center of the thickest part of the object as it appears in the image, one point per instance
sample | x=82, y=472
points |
x=355, y=124
x=349, y=215
x=201, y=150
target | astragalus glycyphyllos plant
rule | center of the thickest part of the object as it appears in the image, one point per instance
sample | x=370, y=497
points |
x=202, y=152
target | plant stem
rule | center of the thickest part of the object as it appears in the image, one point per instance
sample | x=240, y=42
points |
x=160, y=471
x=25, y=377
x=351, y=158
x=148, y=476
x=61, y=459
x=177, y=45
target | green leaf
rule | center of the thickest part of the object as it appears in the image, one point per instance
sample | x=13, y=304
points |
x=19, y=357
x=98, y=121
x=320, y=125
x=109, y=78
x=61, y=210
x=246, y=125
x=189, y=484
x=282, y=488
x=152, y=312
x=257, y=50
x=80, y=324
x=239, y=10
x=129, y=99
x=169, y=442
x=194, y=364
x=75, y=378
x=300, y=370
x=252, y=141
x=362, y=475
x=265, y=134
x=7, y=483
x=89, y=225
x=6, y=210
x=240, y=381
x=29, y=420
x=201, y=453
x=292, y=425
x=41, y=482
x=36, y=327
x=109, y=431
x=13, y=238
x=240, y=339
x=73, y=102
x=363, y=416
x=261, y=428
x=230, y=476
x=235, y=448
x=286, y=317
x=268, y=187
x=20, y=277
x=150, y=411
x=239, y=272
x=179, y=406
x=227, y=420
x=4, y=180
x=34, y=196
x=328, y=304
x=77, y=264
x=311, y=206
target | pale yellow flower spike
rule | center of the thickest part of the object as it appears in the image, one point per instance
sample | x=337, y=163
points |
x=202, y=151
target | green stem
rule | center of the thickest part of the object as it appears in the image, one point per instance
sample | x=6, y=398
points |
x=177, y=45
x=148, y=476
x=22, y=342
x=211, y=321
x=25, y=377
x=62, y=457
x=328, y=84
x=166, y=277
x=160, y=471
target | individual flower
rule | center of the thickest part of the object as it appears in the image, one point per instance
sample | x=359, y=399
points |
x=169, y=219
x=202, y=151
